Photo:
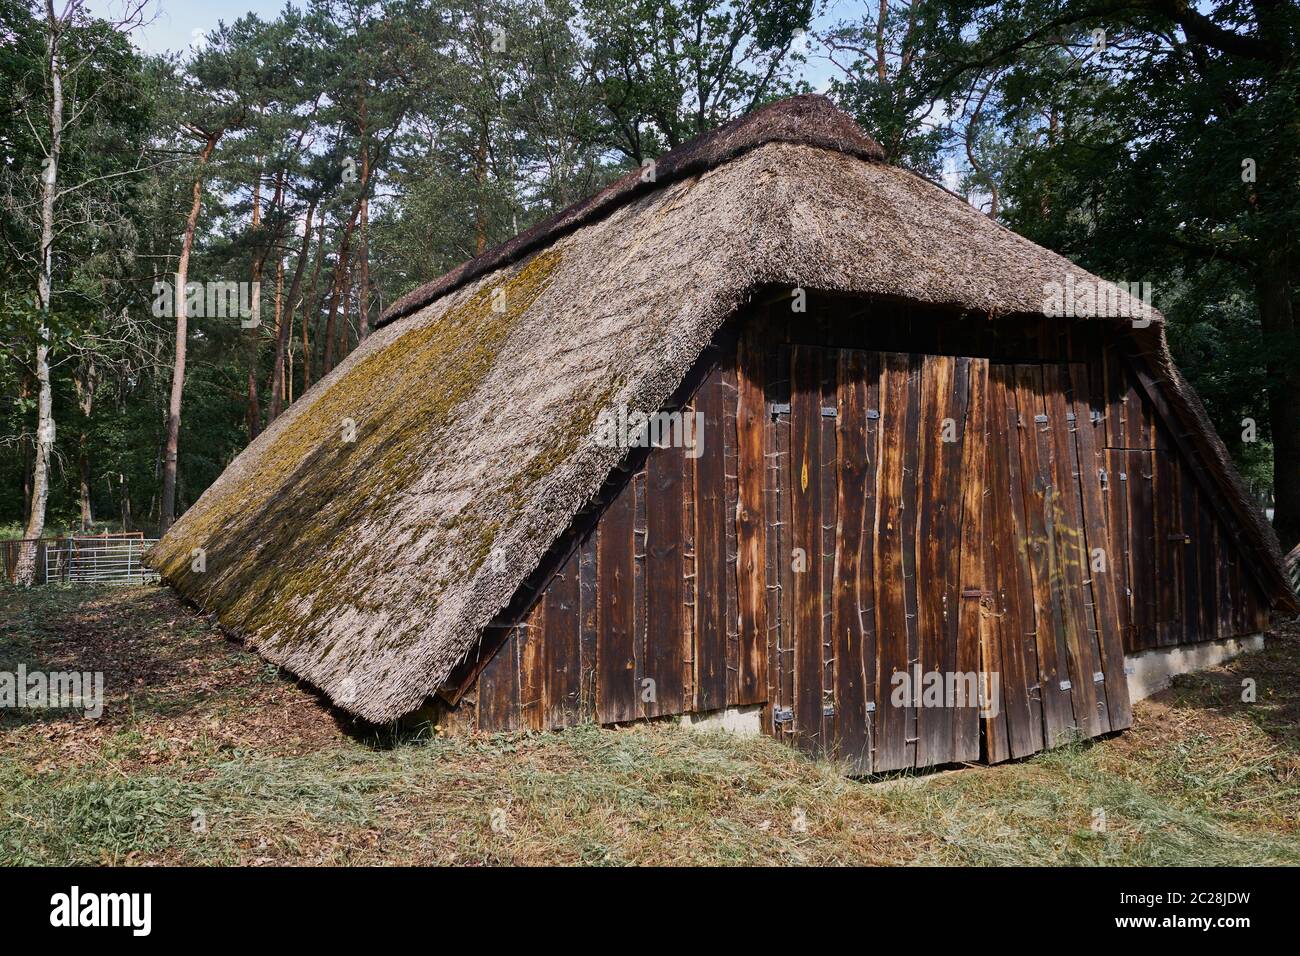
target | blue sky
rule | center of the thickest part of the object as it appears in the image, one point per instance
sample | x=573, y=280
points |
x=174, y=23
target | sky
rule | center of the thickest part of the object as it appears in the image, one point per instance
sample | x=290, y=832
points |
x=175, y=24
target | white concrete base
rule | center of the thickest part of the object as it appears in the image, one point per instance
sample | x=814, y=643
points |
x=743, y=721
x=1150, y=672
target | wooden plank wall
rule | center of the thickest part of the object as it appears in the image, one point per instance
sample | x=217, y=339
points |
x=645, y=617
x=683, y=595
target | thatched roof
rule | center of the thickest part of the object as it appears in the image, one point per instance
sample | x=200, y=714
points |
x=370, y=567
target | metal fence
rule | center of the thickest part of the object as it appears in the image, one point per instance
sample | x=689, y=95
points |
x=98, y=559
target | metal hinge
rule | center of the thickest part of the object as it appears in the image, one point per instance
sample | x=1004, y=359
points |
x=829, y=411
x=1040, y=419
x=780, y=408
x=1066, y=685
x=783, y=715
x=873, y=413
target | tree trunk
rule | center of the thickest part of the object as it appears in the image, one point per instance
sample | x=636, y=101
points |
x=340, y=276
x=313, y=298
x=1282, y=348
x=26, y=570
x=85, y=381
x=168, y=512
x=284, y=331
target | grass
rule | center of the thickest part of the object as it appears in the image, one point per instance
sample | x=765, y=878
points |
x=206, y=755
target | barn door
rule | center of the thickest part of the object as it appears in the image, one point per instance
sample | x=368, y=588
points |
x=879, y=463
x=1054, y=632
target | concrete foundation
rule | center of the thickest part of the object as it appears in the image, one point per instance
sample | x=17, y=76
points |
x=744, y=721
x=1150, y=672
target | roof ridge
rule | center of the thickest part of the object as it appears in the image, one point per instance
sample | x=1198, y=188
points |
x=809, y=119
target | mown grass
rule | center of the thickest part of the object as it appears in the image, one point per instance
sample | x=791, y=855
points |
x=231, y=763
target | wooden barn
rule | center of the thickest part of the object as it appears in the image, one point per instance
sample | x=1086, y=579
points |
x=772, y=433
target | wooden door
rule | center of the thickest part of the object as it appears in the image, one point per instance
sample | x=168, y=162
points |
x=1054, y=633
x=879, y=484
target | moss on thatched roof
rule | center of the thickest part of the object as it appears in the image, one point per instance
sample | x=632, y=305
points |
x=370, y=566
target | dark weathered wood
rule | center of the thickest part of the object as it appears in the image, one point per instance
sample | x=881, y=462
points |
x=728, y=388
x=532, y=672
x=1015, y=612
x=828, y=457
x=561, y=648
x=855, y=518
x=785, y=544
x=1036, y=479
x=973, y=594
x=1103, y=575
x=590, y=624
x=1207, y=544
x=710, y=552
x=1190, y=524
x=806, y=542
x=498, y=688
x=1169, y=549
x=945, y=389
x=665, y=660
x=617, y=693
x=908, y=520
x=893, y=722
x=1072, y=556
x=751, y=531
x=1142, y=541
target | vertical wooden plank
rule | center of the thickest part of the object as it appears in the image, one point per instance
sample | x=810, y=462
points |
x=665, y=664
x=640, y=597
x=1102, y=581
x=589, y=626
x=908, y=519
x=1189, y=556
x=1036, y=478
x=805, y=461
x=828, y=465
x=1207, y=558
x=617, y=695
x=1223, y=549
x=1015, y=611
x=785, y=545
x=851, y=605
x=945, y=389
x=775, y=473
x=1115, y=495
x=498, y=688
x=1003, y=689
x=1142, y=540
x=1169, y=549
x=751, y=537
x=893, y=723
x=1072, y=556
x=532, y=676
x=972, y=585
x=561, y=678
x=710, y=552
x=731, y=468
